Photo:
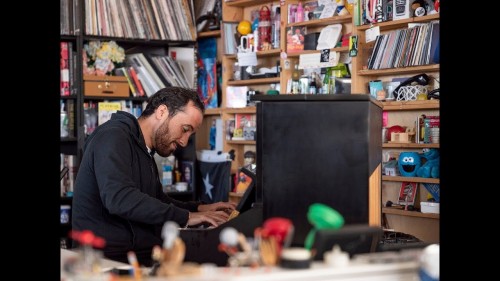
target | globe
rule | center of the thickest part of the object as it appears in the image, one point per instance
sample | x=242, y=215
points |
x=244, y=27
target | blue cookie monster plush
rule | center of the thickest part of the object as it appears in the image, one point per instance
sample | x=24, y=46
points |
x=408, y=163
x=430, y=163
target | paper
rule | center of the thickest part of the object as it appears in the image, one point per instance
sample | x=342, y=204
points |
x=314, y=60
x=328, y=11
x=247, y=59
x=372, y=33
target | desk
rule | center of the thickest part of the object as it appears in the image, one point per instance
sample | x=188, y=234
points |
x=319, y=271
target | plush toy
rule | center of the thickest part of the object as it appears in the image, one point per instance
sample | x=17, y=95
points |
x=430, y=164
x=408, y=163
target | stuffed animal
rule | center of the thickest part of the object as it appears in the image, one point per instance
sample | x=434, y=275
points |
x=430, y=163
x=408, y=163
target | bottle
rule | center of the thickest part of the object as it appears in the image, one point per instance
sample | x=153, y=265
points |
x=166, y=179
x=312, y=84
x=177, y=171
x=264, y=36
x=296, y=80
x=273, y=90
x=326, y=82
x=299, y=14
x=276, y=28
x=291, y=15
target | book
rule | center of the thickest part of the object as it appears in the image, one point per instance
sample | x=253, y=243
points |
x=407, y=193
x=244, y=120
x=105, y=109
x=64, y=67
x=295, y=38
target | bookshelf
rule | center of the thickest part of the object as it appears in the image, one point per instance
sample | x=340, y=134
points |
x=398, y=112
x=137, y=27
x=403, y=113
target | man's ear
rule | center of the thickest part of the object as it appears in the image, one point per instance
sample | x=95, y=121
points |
x=161, y=111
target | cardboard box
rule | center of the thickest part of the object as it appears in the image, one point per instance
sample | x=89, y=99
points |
x=105, y=86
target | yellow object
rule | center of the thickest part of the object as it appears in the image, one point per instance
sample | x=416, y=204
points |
x=244, y=27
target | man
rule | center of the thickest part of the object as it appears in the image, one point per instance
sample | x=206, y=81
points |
x=118, y=193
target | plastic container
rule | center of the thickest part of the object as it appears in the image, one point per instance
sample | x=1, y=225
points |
x=181, y=186
x=429, y=207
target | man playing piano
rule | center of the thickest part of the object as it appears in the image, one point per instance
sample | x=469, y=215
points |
x=118, y=194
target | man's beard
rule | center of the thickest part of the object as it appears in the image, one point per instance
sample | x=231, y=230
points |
x=163, y=141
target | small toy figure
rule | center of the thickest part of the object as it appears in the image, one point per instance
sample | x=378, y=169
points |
x=88, y=261
x=171, y=256
x=236, y=246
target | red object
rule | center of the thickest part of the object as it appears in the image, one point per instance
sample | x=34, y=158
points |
x=279, y=228
x=395, y=129
x=87, y=237
x=264, y=27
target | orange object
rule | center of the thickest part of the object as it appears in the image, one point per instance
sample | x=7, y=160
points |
x=244, y=27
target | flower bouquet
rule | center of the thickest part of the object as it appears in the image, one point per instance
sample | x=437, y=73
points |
x=100, y=58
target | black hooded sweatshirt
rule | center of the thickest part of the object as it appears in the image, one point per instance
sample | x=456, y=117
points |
x=118, y=194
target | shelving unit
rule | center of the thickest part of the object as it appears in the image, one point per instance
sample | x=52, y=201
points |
x=81, y=35
x=423, y=226
x=403, y=113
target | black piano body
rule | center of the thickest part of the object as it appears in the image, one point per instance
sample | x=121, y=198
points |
x=202, y=243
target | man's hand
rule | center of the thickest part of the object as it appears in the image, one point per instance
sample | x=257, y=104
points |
x=227, y=207
x=212, y=217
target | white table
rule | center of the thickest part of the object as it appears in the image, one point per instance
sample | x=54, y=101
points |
x=319, y=271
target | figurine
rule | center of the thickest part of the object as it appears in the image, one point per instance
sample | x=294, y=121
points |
x=171, y=256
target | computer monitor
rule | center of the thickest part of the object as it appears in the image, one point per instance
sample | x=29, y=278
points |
x=248, y=197
x=353, y=239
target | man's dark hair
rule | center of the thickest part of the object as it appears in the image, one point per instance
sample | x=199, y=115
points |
x=175, y=98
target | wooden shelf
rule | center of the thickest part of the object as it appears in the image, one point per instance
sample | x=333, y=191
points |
x=410, y=179
x=213, y=111
x=73, y=97
x=399, y=23
x=399, y=212
x=268, y=53
x=244, y=3
x=251, y=142
x=69, y=139
x=135, y=41
x=339, y=49
x=115, y=98
x=208, y=34
x=410, y=145
x=323, y=22
x=248, y=109
x=410, y=105
x=253, y=81
x=399, y=71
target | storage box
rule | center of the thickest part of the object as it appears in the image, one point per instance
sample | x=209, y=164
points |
x=105, y=86
x=429, y=207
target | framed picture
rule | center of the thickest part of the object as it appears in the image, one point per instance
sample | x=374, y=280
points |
x=407, y=193
x=187, y=173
